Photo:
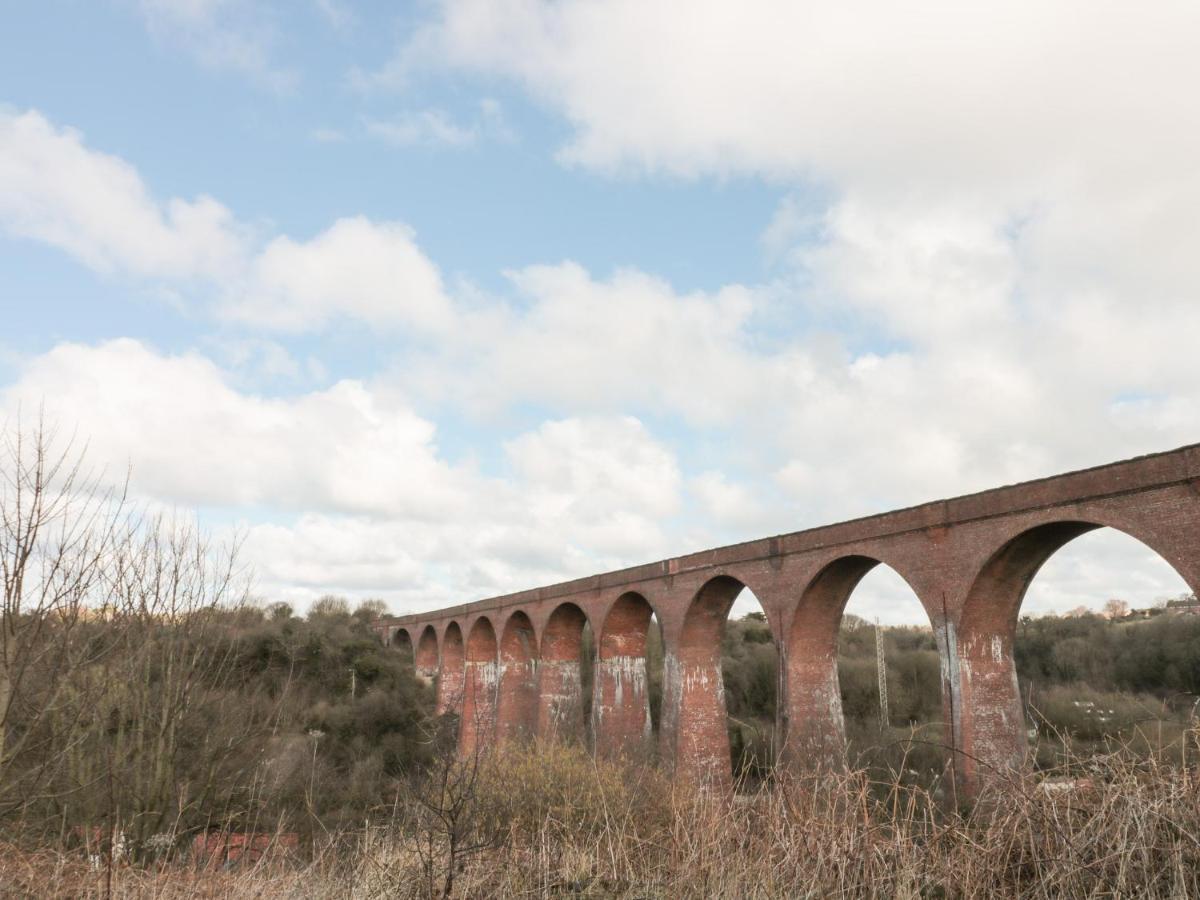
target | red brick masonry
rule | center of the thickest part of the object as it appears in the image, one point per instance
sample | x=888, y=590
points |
x=969, y=560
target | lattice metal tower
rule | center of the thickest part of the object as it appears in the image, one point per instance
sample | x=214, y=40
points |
x=881, y=667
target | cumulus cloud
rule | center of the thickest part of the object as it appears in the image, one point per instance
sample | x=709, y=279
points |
x=948, y=92
x=193, y=438
x=1002, y=252
x=605, y=480
x=345, y=488
x=982, y=160
x=628, y=342
x=358, y=269
x=96, y=207
x=580, y=496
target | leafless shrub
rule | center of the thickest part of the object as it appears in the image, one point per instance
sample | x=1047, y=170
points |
x=576, y=827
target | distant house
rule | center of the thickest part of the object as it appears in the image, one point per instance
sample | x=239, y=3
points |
x=1184, y=606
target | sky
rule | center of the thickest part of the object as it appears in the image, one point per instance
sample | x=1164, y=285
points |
x=434, y=301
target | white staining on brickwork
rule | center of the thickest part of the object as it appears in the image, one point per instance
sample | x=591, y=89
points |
x=487, y=674
x=672, y=689
x=620, y=680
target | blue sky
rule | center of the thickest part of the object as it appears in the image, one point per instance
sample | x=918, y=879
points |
x=435, y=300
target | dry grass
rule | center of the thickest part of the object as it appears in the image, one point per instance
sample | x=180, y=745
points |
x=557, y=824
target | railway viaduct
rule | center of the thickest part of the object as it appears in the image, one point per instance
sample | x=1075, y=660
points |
x=510, y=665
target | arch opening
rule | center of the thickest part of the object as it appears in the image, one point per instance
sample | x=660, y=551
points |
x=704, y=679
x=1067, y=647
x=401, y=643
x=451, y=671
x=560, y=676
x=750, y=678
x=863, y=675
x=517, y=700
x=426, y=658
x=890, y=682
x=478, y=724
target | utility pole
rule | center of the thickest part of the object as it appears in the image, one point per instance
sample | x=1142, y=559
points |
x=881, y=666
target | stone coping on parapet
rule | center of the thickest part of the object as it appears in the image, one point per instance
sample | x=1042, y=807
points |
x=1113, y=479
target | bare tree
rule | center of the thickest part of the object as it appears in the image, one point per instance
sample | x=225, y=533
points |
x=448, y=823
x=116, y=655
x=1116, y=609
x=60, y=531
x=169, y=735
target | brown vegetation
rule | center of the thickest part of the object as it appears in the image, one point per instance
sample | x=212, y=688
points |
x=551, y=822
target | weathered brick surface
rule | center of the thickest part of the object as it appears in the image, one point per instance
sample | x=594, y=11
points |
x=517, y=701
x=451, y=670
x=560, y=706
x=620, y=692
x=969, y=560
x=477, y=728
x=425, y=655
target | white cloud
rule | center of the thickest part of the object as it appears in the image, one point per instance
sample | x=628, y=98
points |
x=604, y=482
x=345, y=489
x=583, y=496
x=1097, y=567
x=372, y=272
x=235, y=35
x=194, y=439
x=438, y=128
x=428, y=127
x=626, y=343
x=1009, y=227
x=944, y=91
x=97, y=208
x=727, y=503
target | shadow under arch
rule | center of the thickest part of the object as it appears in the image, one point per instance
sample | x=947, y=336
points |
x=477, y=728
x=451, y=671
x=426, y=658
x=517, y=694
x=401, y=641
x=621, y=718
x=694, y=735
x=560, y=680
x=986, y=714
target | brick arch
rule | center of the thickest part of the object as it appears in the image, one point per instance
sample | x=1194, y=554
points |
x=813, y=728
x=426, y=656
x=517, y=694
x=621, y=722
x=694, y=731
x=477, y=728
x=987, y=715
x=401, y=640
x=451, y=670
x=560, y=708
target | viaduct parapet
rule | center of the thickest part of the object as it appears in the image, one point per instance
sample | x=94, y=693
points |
x=510, y=665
